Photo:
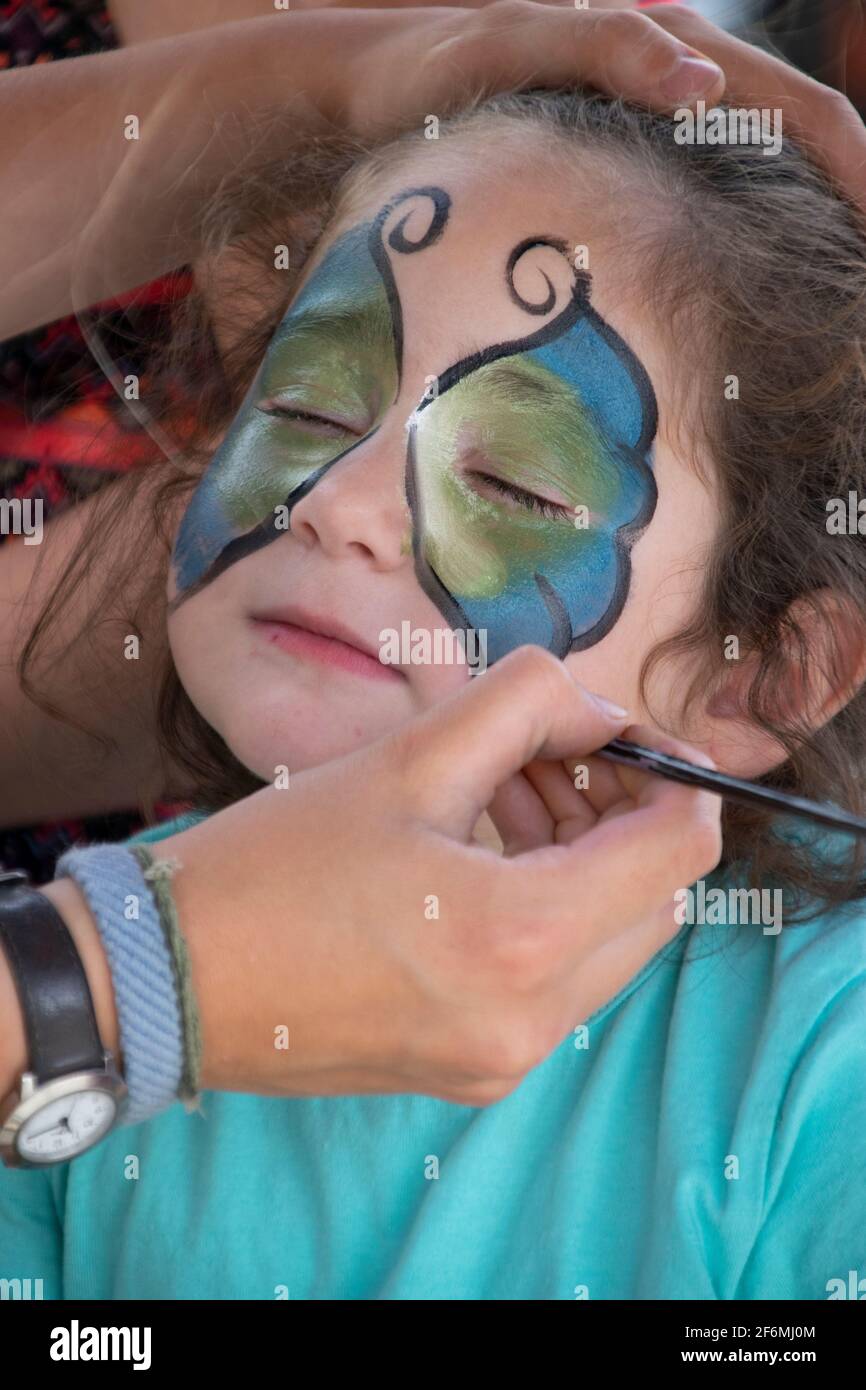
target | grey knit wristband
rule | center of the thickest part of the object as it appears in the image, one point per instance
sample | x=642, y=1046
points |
x=148, y=1009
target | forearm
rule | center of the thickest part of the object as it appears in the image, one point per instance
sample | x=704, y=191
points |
x=217, y=954
x=215, y=977
x=131, y=209
x=137, y=23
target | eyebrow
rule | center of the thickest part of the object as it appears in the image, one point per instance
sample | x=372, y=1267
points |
x=330, y=322
x=522, y=388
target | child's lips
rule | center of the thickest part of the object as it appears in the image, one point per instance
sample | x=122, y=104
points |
x=297, y=639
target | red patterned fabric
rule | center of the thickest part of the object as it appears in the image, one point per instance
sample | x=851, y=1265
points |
x=64, y=431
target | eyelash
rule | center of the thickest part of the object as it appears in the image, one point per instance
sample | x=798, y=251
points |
x=554, y=510
x=289, y=413
x=540, y=505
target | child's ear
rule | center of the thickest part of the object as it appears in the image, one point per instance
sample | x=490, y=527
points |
x=820, y=677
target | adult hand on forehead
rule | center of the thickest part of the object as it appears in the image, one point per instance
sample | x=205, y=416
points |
x=375, y=71
x=208, y=98
x=818, y=117
x=656, y=56
x=413, y=62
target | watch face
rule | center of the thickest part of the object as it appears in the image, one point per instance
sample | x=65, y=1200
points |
x=67, y=1126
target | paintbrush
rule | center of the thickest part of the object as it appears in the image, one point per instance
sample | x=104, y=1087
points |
x=734, y=788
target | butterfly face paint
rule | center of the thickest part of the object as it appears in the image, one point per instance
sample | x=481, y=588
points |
x=528, y=467
x=332, y=356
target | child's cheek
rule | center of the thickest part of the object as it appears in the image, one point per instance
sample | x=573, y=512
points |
x=608, y=673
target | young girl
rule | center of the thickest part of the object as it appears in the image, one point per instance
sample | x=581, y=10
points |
x=551, y=377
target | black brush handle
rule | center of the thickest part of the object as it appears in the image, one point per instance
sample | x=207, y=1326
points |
x=619, y=750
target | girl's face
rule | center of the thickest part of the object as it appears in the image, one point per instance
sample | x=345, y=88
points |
x=461, y=427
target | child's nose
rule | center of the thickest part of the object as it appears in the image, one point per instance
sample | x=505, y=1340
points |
x=360, y=501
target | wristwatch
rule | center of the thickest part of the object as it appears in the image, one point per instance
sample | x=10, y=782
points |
x=71, y=1095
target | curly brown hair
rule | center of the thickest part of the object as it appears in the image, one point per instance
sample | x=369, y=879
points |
x=756, y=264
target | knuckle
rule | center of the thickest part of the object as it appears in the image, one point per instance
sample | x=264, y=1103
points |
x=631, y=34
x=502, y=14
x=837, y=107
x=624, y=27
x=479, y=1094
x=522, y=960
x=407, y=746
x=519, y=9
x=408, y=758
x=502, y=1054
x=681, y=21
x=541, y=668
x=700, y=840
x=514, y=1053
x=490, y=1093
x=656, y=58
x=709, y=843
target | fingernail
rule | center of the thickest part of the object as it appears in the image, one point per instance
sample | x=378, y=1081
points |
x=690, y=78
x=608, y=707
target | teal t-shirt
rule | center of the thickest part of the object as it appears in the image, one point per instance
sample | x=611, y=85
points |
x=703, y=1137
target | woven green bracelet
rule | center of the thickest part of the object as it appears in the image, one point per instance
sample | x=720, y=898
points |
x=158, y=873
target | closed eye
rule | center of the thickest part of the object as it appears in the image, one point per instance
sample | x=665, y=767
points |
x=542, y=505
x=321, y=424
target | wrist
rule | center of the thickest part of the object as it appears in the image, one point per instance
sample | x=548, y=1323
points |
x=213, y=974
x=72, y=905
x=226, y=930
x=288, y=65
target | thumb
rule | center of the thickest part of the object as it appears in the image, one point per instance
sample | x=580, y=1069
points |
x=526, y=706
